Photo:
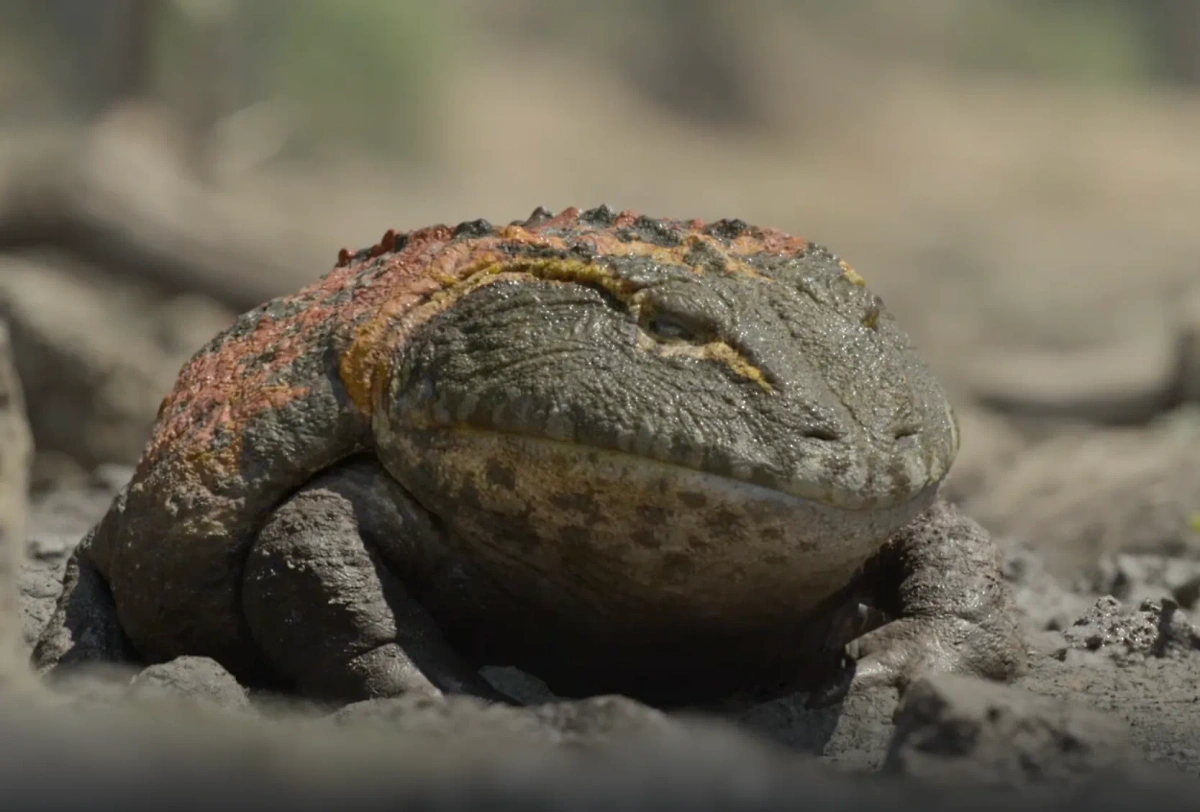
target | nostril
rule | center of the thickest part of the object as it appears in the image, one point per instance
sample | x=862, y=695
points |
x=904, y=431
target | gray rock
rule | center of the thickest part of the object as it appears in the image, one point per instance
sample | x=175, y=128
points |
x=16, y=450
x=1135, y=578
x=190, y=679
x=39, y=582
x=96, y=355
x=1154, y=629
x=1123, y=380
x=1089, y=494
x=1156, y=698
x=1122, y=383
x=956, y=729
x=599, y=719
x=1044, y=601
x=458, y=717
x=865, y=725
x=853, y=734
x=584, y=723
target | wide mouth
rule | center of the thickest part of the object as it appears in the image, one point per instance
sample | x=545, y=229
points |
x=753, y=479
x=592, y=533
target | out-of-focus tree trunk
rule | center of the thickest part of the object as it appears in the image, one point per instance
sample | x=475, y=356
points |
x=691, y=59
x=109, y=48
x=106, y=47
x=1175, y=27
x=16, y=454
x=136, y=30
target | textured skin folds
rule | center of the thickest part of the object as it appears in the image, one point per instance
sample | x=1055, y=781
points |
x=614, y=450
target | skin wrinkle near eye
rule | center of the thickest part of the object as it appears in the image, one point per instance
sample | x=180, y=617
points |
x=719, y=351
x=726, y=354
x=717, y=347
x=532, y=360
x=786, y=318
x=588, y=320
x=668, y=382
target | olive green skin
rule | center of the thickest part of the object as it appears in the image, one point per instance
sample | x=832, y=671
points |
x=615, y=451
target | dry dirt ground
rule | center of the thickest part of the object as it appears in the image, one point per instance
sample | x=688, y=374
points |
x=1081, y=454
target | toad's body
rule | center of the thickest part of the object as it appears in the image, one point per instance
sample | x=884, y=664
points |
x=636, y=455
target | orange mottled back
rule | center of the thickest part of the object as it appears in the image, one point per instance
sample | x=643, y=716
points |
x=243, y=373
x=290, y=389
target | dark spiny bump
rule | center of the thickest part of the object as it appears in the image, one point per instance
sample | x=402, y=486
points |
x=540, y=215
x=586, y=250
x=473, y=228
x=726, y=229
x=821, y=252
x=704, y=256
x=602, y=215
x=282, y=308
x=657, y=232
x=538, y=251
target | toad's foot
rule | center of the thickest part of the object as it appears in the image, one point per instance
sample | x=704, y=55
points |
x=939, y=581
x=327, y=611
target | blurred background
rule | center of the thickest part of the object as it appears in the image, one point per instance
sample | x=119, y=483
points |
x=1019, y=179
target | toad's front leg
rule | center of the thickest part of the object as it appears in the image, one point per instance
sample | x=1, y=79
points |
x=326, y=610
x=938, y=583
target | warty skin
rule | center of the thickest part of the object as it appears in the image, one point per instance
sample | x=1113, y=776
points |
x=615, y=451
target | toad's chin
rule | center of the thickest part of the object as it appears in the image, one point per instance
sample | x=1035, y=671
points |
x=619, y=537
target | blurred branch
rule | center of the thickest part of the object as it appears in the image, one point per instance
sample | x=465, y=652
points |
x=134, y=47
x=1175, y=26
x=106, y=48
x=690, y=59
x=117, y=202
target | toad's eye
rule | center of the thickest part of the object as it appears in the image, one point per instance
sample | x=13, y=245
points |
x=669, y=328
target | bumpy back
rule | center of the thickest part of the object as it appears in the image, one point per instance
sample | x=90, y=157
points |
x=290, y=388
x=254, y=414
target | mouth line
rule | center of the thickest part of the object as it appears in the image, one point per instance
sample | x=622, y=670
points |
x=801, y=491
